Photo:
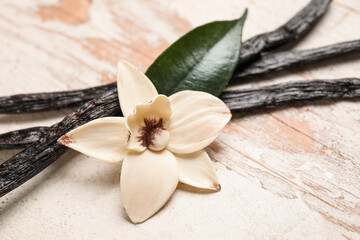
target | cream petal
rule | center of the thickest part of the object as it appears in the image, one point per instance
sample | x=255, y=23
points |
x=148, y=180
x=103, y=138
x=148, y=124
x=197, y=119
x=133, y=87
x=197, y=170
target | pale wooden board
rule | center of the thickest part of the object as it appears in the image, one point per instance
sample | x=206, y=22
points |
x=293, y=173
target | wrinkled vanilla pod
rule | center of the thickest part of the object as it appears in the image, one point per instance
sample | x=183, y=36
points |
x=37, y=102
x=251, y=99
x=291, y=92
x=22, y=138
x=274, y=62
x=31, y=161
x=296, y=27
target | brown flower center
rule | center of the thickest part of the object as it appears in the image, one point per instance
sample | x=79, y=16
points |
x=148, y=133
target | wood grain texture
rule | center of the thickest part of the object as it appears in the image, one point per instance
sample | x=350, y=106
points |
x=292, y=173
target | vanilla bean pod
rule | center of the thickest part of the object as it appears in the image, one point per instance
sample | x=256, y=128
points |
x=247, y=99
x=22, y=138
x=290, y=92
x=294, y=29
x=37, y=102
x=251, y=49
x=274, y=62
x=31, y=161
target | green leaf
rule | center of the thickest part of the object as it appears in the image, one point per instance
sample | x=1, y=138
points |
x=203, y=59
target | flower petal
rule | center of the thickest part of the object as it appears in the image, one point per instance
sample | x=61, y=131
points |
x=146, y=116
x=103, y=138
x=133, y=87
x=197, y=170
x=197, y=119
x=148, y=180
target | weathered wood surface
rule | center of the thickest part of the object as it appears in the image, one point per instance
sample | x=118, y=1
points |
x=291, y=173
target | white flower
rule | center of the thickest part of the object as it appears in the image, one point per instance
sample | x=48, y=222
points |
x=160, y=141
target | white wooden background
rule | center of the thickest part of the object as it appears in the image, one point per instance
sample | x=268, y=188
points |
x=293, y=173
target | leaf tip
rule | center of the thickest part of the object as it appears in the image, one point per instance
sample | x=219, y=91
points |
x=243, y=17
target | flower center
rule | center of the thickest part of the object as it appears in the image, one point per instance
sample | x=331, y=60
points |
x=153, y=134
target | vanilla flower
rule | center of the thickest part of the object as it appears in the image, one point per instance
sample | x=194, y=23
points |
x=160, y=140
